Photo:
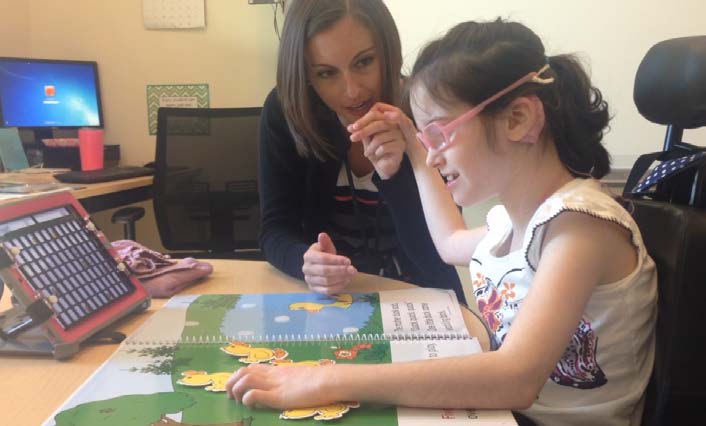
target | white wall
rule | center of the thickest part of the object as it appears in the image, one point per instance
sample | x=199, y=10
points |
x=14, y=28
x=235, y=54
x=612, y=36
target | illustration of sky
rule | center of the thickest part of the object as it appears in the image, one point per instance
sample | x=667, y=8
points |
x=258, y=315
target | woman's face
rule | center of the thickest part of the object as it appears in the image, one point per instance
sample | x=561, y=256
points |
x=344, y=68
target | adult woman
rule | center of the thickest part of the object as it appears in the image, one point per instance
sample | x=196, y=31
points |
x=320, y=195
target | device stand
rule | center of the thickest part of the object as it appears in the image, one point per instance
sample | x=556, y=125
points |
x=30, y=342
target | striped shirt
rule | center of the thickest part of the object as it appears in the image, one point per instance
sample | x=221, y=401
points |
x=349, y=229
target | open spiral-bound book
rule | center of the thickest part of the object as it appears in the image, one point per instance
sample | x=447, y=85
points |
x=172, y=370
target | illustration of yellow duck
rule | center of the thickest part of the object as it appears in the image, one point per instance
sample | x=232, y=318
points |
x=253, y=355
x=214, y=382
x=326, y=412
x=343, y=301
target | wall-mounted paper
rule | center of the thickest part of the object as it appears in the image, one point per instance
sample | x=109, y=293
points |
x=176, y=96
x=160, y=14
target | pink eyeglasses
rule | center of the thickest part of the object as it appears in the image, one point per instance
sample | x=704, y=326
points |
x=439, y=137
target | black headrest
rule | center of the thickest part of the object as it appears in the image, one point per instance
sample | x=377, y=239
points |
x=670, y=84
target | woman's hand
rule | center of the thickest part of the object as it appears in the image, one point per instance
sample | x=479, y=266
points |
x=383, y=141
x=324, y=270
x=283, y=387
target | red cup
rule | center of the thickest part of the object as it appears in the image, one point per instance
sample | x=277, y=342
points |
x=90, y=142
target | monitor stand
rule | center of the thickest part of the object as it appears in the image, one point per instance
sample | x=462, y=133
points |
x=65, y=133
x=34, y=136
x=42, y=133
x=34, y=148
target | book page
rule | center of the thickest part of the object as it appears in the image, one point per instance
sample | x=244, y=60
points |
x=184, y=383
x=306, y=316
x=423, y=311
x=173, y=369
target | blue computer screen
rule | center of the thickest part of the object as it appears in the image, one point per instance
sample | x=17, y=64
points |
x=36, y=93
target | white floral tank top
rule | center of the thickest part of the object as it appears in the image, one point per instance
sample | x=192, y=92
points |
x=602, y=375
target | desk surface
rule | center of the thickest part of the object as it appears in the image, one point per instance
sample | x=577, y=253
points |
x=85, y=192
x=41, y=385
x=95, y=189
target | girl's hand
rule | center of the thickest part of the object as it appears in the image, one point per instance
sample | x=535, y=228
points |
x=383, y=141
x=415, y=150
x=324, y=270
x=283, y=387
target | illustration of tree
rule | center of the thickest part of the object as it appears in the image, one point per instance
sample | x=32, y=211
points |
x=371, y=298
x=163, y=360
x=374, y=323
x=127, y=410
x=215, y=302
x=378, y=353
x=155, y=351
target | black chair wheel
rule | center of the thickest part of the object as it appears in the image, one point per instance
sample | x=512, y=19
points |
x=127, y=215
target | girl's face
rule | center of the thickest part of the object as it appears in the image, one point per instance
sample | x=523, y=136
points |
x=344, y=68
x=471, y=168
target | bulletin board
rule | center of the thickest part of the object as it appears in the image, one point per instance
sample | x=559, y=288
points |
x=175, y=96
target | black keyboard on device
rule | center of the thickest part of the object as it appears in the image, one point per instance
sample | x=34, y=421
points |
x=104, y=175
x=62, y=258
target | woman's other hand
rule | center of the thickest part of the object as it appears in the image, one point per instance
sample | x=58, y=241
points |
x=325, y=271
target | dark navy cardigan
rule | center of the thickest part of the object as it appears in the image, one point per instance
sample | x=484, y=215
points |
x=296, y=197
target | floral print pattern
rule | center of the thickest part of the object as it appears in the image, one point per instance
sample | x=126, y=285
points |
x=578, y=367
x=508, y=292
x=489, y=310
x=498, y=306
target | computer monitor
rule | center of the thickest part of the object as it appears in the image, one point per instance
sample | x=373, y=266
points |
x=45, y=94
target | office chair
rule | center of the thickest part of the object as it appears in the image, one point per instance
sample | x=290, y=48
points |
x=205, y=184
x=670, y=89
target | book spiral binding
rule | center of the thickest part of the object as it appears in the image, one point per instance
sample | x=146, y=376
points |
x=303, y=338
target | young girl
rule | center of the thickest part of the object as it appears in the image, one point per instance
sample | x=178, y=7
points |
x=560, y=273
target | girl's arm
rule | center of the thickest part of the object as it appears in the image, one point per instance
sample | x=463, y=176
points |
x=402, y=196
x=510, y=377
x=453, y=240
